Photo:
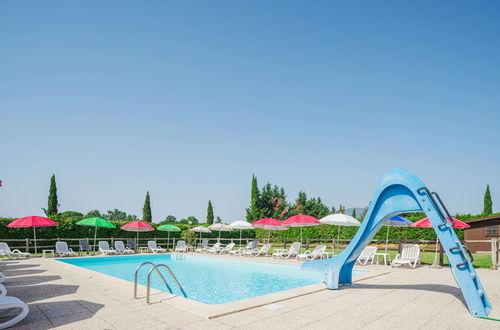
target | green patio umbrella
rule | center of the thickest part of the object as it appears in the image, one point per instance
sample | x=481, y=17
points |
x=96, y=222
x=168, y=229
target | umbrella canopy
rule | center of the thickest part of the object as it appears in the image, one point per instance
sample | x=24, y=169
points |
x=220, y=227
x=242, y=225
x=96, y=222
x=137, y=226
x=168, y=229
x=301, y=220
x=339, y=220
x=269, y=224
x=398, y=221
x=427, y=224
x=200, y=229
x=33, y=221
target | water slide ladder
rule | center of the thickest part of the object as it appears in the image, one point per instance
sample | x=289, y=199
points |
x=156, y=268
x=402, y=192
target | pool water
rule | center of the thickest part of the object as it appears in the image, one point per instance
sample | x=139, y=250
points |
x=204, y=279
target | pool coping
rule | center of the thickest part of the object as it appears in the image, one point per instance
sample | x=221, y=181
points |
x=207, y=310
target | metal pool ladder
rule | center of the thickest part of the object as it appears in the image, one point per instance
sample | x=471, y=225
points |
x=156, y=268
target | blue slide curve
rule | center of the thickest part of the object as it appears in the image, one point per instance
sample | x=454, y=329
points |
x=402, y=192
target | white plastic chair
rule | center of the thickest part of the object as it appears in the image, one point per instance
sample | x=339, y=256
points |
x=367, y=255
x=5, y=251
x=105, y=249
x=181, y=246
x=250, y=246
x=317, y=253
x=262, y=252
x=154, y=248
x=410, y=255
x=12, y=302
x=63, y=250
x=121, y=248
x=215, y=248
x=202, y=247
x=290, y=253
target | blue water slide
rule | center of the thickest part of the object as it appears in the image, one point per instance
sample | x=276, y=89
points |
x=402, y=192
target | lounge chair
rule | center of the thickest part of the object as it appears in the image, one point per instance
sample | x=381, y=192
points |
x=181, y=246
x=290, y=253
x=262, y=252
x=226, y=249
x=155, y=248
x=367, y=255
x=250, y=247
x=317, y=253
x=84, y=246
x=3, y=290
x=410, y=255
x=5, y=251
x=131, y=244
x=2, y=277
x=12, y=302
x=63, y=250
x=121, y=248
x=202, y=247
x=105, y=249
x=215, y=248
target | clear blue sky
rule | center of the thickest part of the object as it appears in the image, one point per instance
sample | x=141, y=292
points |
x=187, y=99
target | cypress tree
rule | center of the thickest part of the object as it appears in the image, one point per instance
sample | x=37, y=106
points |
x=52, y=202
x=354, y=212
x=146, y=210
x=210, y=213
x=488, y=204
x=253, y=212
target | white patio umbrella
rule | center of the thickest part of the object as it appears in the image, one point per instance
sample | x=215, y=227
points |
x=340, y=219
x=220, y=227
x=200, y=229
x=241, y=225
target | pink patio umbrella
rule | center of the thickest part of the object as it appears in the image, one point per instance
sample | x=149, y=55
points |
x=425, y=223
x=300, y=221
x=137, y=226
x=33, y=221
x=269, y=224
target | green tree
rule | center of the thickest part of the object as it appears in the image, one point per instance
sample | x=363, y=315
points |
x=272, y=202
x=354, y=212
x=146, y=210
x=170, y=218
x=94, y=214
x=210, y=213
x=218, y=220
x=488, y=204
x=253, y=212
x=117, y=215
x=52, y=204
x=193, y=220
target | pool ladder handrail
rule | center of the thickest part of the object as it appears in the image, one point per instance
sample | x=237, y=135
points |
x=158, y=271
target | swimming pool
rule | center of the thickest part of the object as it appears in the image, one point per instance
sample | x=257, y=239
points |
x=205, y=279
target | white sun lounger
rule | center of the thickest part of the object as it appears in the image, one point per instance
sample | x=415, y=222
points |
x=12, y=302
x=367, y=255
x=410, y=255
x=155, y=248
x=317, y=253
x=5, y=251
x=214, y=248
x=63, y=250
x=262, y=252
x=202, y=247
x=121, y=248
x=181, y=246
x=250, y=247
x=226, y=249
x=2, y=277
x=105, y=249
x=290, y=253
x=3, y=290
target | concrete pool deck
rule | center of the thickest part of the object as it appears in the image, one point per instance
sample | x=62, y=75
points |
x=66, y=298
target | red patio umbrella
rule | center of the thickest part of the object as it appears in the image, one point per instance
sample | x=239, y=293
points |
x=425, y=223
x=269, y=224
x=301, y=220
x=137, y=226
x=33, y=221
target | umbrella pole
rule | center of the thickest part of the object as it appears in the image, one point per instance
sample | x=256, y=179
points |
x=95, y=237
x=338, y=239
x=386, y=239
x=34, y=236
x=168, y=240
x=240, y=236
x=137, y=240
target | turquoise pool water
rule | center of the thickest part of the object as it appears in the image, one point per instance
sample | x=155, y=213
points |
x=205, y=279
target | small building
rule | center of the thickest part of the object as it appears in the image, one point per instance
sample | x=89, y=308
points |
x=482, y=229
